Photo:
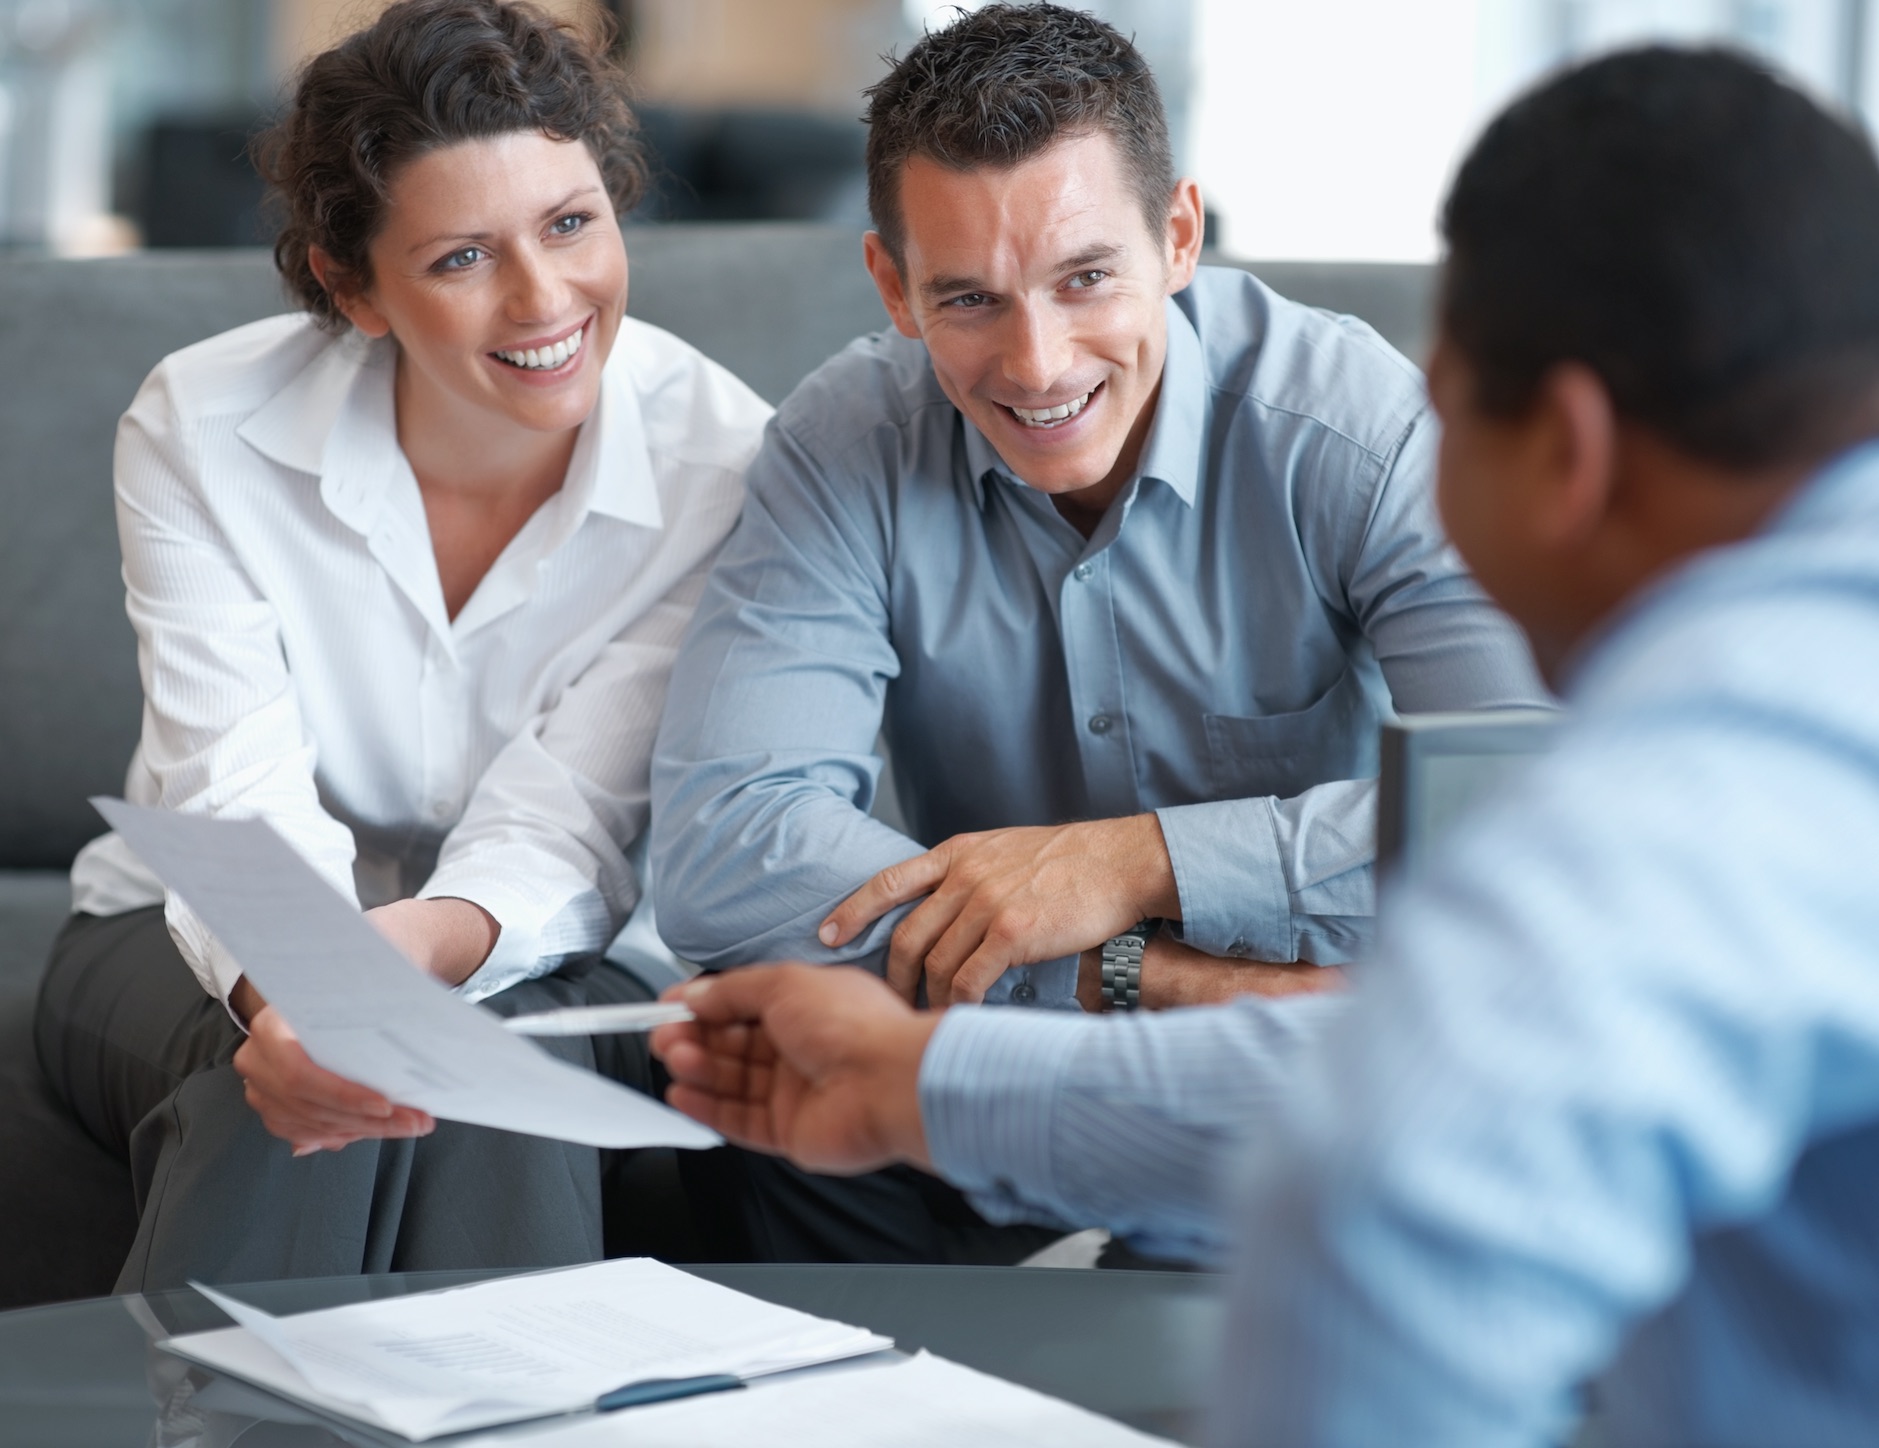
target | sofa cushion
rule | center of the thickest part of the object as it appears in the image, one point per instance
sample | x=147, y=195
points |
x=76, y=338
x=33, y=905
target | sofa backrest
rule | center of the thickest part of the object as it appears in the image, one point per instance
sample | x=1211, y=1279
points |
x=770, y=301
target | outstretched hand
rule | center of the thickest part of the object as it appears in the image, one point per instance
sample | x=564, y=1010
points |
x=1005, y=898
x=816, y=1063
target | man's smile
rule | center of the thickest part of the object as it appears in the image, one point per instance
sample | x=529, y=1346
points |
x=1047, y=417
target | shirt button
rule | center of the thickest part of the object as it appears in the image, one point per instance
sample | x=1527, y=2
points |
x=440, y=810
x=1082, y=572
x=1024, y=993
x=1099, y=723
x=1238, y=947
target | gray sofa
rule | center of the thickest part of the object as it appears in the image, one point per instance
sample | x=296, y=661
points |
x=76, y=338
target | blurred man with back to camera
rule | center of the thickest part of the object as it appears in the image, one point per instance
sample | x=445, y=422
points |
x=1124, y=555
x=1603, y=1103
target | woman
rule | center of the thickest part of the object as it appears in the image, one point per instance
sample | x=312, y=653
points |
x=408, y=571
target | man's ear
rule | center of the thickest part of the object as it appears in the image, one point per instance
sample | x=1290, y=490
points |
x=1576, y=430
x=889, y=283
x=1187, y=229
x=354, y=305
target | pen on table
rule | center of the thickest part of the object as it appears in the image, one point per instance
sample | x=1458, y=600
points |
x=664, y=1390
x=599, y=1020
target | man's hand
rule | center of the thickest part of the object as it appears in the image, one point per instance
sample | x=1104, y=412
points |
x=303, y=1104
x=818, y=1064
x=1174, y=974
x=1005, y=898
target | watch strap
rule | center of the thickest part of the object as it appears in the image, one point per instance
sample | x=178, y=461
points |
x=1122, y=966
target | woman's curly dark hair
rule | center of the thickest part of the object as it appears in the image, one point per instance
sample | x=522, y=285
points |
x=430, y=73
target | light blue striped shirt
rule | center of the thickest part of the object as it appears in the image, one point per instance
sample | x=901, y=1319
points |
x=1605, y=1101
x=1220, y=651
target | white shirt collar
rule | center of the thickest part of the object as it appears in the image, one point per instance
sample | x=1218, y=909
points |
x=337, y=421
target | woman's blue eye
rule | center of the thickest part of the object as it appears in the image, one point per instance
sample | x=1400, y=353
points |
x=458, y=260
x=569, y=224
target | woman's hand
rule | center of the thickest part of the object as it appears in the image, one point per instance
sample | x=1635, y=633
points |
x=302, y=1103
x=311, y=1107
x=446, y=938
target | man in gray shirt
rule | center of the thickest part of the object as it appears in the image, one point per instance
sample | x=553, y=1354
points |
x=1125, y=556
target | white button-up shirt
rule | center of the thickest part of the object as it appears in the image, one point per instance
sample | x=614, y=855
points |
x=298, y=663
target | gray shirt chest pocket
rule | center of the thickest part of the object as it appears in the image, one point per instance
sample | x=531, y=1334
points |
x=1286, y=754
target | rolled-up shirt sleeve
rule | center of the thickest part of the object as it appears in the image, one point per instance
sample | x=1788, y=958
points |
x=1285, y=879
x=542, y=843
x=765, y=767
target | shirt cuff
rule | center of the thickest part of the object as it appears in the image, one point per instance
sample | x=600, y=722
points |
x=1234, y=899
x=520, y=922
x=208, y=959
x=1049, y=985
x=989, y=1084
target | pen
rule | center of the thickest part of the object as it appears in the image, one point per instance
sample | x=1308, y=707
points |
x=664, y=1390
x=598, y=1020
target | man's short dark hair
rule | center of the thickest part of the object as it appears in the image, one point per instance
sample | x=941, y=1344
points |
x=998, y=86
x=1699, y=233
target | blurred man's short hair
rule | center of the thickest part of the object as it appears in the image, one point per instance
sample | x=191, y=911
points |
x=1696, y=231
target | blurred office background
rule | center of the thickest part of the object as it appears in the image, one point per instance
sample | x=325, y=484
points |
x=1319, y=131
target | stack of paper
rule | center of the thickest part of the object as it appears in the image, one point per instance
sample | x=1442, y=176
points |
x=516, y=1347
x=920, y=1402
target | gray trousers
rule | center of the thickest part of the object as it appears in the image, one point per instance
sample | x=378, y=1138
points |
x=142, y=1057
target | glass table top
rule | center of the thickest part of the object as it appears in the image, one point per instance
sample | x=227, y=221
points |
x=1139, y=1346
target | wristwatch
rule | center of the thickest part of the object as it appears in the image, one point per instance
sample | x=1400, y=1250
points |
x=1122, y=966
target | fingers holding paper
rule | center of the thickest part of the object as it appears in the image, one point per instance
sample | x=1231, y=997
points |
x=817, y=1064
x=307, y=1106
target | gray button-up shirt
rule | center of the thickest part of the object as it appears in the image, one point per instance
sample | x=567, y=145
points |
x=1219, y=652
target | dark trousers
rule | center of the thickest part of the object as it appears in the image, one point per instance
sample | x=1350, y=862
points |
x=766, y=1210
x=142, y=1057
x=136, y=1050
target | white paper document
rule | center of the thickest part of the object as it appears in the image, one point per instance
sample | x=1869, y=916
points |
x=920, y=1402
x=362, y=1010
x=515, y=1347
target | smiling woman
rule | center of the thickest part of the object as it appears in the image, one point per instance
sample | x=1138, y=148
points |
x=408, y=570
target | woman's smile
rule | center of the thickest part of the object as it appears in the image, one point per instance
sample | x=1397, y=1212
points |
x=555, y=357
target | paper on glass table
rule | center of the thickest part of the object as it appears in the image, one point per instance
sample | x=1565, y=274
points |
x=361, y=1009
x=516, y=1347
x=921, y=1402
